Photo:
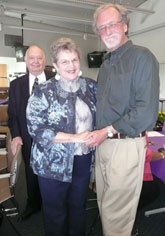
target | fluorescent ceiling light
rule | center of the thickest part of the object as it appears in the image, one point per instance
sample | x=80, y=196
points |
x=49, y=31
x=91, y=5
x=50, y=17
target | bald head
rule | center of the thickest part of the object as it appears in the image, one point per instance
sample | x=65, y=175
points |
x=35, y=60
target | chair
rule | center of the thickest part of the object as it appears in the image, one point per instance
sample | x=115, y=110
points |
x=157, y=192
x=92, y=186
x=3, y=159
x=92, y=205
x=3, y=151
x=8, y=182
x=4, y=119
x=155, y=211
x=2, y=140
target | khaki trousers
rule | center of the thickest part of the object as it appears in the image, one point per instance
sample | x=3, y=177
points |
x=119, y=176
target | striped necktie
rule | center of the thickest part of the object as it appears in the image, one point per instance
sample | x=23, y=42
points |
x=35, y=84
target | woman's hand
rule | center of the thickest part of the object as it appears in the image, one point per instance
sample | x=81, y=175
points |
x=81, y=137
x=72, y=138
x=96, y=137
x=163, y=151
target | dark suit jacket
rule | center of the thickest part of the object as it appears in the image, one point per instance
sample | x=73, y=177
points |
x=18, y=98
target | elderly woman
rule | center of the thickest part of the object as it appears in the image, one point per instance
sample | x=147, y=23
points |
x=60, y=115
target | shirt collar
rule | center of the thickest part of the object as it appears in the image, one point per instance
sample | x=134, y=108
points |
x=120, y=51
x=69, y=85
x=41, y=77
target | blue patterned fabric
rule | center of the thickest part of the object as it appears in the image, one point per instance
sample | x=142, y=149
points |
x=50, y=110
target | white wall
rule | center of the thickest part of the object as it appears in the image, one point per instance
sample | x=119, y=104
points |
x=153, y=37
x=45, y=39
x=162, y=80
x=14, y=68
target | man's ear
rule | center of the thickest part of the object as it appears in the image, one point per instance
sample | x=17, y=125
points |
x=125, y=28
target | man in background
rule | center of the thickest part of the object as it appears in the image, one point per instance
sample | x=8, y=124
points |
x=127, y=106
x=20, y=90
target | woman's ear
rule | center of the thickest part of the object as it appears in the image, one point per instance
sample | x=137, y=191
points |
x=55, y=66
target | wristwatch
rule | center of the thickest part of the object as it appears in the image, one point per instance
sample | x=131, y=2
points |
x=110, y=134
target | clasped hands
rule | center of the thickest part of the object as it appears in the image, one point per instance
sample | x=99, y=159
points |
x=93, y=138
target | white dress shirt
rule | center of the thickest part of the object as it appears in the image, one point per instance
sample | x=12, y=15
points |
x=41, y=79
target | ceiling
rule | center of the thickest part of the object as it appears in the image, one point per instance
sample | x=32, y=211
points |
x=74, y=15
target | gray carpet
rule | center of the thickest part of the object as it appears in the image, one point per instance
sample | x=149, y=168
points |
x=148, y=226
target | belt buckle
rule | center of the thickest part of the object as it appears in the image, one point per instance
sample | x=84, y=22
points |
x=122, y=136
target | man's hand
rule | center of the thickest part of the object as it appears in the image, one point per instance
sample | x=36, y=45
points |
x=96, y=137
x=14, y=144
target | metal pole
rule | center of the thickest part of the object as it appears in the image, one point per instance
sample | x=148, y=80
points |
x=22, y=16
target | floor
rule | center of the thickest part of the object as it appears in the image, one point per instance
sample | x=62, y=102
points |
x=148, y=226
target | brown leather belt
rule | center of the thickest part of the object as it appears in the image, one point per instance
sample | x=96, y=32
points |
x=123, y=136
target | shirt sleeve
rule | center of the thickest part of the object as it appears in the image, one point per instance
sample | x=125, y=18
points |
x=39, y=127
x=145, y=89
x=13, y=122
